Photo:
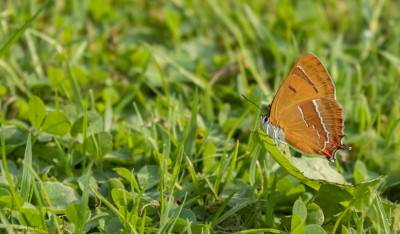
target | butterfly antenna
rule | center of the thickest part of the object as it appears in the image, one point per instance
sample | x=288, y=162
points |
x=254, y=104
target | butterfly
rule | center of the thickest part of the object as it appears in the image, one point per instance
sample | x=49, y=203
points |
x=305, y=113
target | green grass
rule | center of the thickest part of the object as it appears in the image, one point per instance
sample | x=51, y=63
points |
x=126, y=117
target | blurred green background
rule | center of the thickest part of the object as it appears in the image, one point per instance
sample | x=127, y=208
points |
x=167, y=75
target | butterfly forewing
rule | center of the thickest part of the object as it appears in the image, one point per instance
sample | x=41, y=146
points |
x=307, y=80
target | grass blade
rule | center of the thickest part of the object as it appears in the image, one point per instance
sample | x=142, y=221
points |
x=15, y=37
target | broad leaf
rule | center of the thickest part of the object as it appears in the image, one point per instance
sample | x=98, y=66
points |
x=72, y=213
x=297, y=226
x=313, y=171
x=60, y=196
x=99, y=144
x=37, y=112
x=300, y=209
x=56, y=123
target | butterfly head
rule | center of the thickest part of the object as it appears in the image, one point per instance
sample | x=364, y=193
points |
x=264, y=119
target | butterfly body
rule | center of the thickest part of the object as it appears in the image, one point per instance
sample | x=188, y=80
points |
x=305, y=113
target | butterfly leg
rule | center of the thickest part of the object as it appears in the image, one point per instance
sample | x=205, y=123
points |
x=276, y=137
x=284, y=148
x=284, y=145
x=256, y=128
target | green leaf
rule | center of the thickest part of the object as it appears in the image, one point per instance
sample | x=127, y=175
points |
x=329, y=198
x=80, y=75
x=314, y=214
x=120, y=157
x=61, y=196
x=179, y=225
x=3, y=90
x=29, y=217
x=113, y=225
x=150, y=173
x=99, y=144
x=314, y=229
x=121, y=198
x=209, y=149
x=94, y=124
x=4, y=192
x=37, y=112
x=297, y=226
x=98, y=217
x=8, y=201
x=237, y=186
x=82, y=182
x=101, y=10
x=201, y=228
x=114, y=183
x=185, y=214
x=126, y=174
x=300, y=209
x=221, y=209
x=26, y=179
x=313, y=171
x=358, y=176
x=124, y=201
x=235, y=209
x=382, y=214
x=333, y=198
x=360, y=172
x=72, y=213
x=173, y=21
x=14, y=136
x=344, y=230
x=56, y=123
x=56, y=77
x=365, y=193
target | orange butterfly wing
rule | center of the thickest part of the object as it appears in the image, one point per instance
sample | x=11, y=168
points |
x=305, y=108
